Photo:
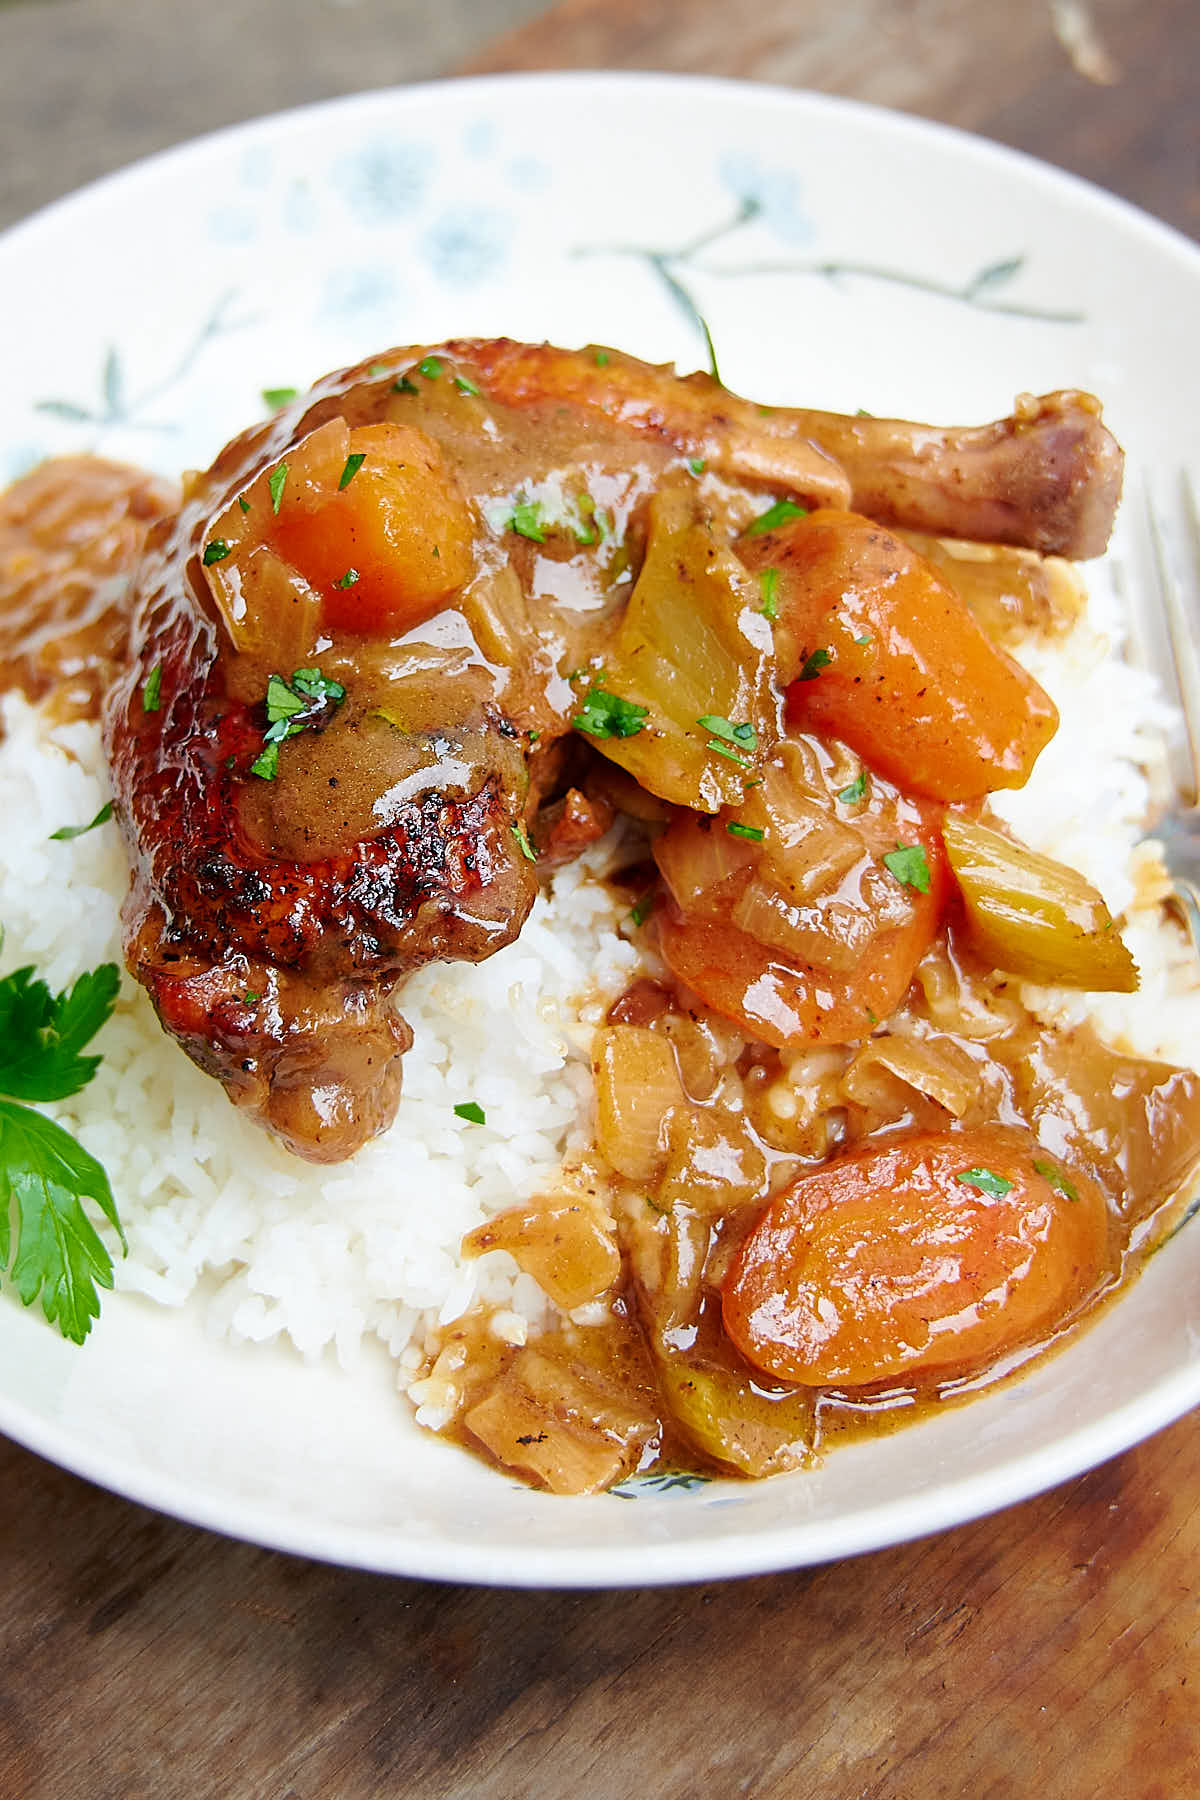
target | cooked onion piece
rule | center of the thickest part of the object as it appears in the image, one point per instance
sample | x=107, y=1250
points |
x=691, y=647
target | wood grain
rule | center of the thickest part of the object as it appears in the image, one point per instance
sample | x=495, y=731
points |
x=997, y=69
x=1052, y=1651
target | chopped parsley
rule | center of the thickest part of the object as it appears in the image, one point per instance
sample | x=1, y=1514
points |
x=696, y=464
x=316, y=686
x=866, y=638
x=274, y=398
x=1054, y=1175
x=310, y=698
x=856, y=791
x=987, y=1181
x=49, y=1246
x=584, y=523
x=347, y=580
x=66, y=832
x=527, y=521
x=606, y=715
x=405, y=386
x=729, y=741
x=215, y=552
x=779, y=514
x=642, y=908
x=908, y=864
x=751, y=833
x=243, y=503
x=275, y=482
x=266, y=763
x=152, y=689
x=744, y=735
x=812, y=665
x=523, y=843
x=465, y=385
x=768, y=584
x=602, y=359
x=472, y=1112
x=429, y=367
x=354, y=463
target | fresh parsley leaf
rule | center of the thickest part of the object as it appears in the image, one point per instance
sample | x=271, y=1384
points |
x=987, y=1181
x=907, y=863
x=217, y=551
x=317, y=686
x=266, y=763
x=602, y=359
x=291, y=709
x=856, y=791
x=743, y=735
x=48, y=1239
x=1058, y=1181
x=527, y=521
x=472, y=1112
x=866, y=638
x=42, y=1034
x=282, y=703
x=405, y=386
x=274, y=398
x=66, y=832
x=152, y=689
x=696, y=464
x=606, y=715
x=347, y=580
x=768, y=584
x=751, y=833
x=730, y=755
x=243, y=503
x=642, y=908
x=776, y=515
x=812, y=666
x=429, y=367
x=465, y=385
x=275, y=481
x=353, y=464
x=523, y=843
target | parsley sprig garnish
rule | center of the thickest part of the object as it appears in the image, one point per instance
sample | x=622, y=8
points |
x=780, y=514
x=49, y=1247
x=986, y=1181
x=908, y=863
x=606, y=715
x=728, y=740
x=309, y=699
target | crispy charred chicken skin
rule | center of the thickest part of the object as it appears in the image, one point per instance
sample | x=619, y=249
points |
x=359, y=646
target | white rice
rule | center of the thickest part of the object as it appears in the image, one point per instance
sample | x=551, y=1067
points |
x=218, y=1216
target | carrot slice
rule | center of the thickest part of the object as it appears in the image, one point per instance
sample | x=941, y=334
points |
x=922, y=1254
x=886, y=656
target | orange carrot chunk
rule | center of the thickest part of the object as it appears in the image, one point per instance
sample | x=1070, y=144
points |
x=881, y=652
x=387, y=542
x=926, y=1254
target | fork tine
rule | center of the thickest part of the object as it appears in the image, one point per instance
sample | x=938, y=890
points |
x=1182, y=639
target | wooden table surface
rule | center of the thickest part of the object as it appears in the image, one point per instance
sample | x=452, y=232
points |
x=1051, y=1651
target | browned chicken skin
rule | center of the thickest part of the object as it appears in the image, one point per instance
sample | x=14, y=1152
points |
x=282, y=886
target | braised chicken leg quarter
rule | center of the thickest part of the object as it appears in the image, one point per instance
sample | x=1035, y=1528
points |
x=379, y=647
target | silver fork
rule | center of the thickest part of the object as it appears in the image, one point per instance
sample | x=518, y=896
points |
x=1166, y=627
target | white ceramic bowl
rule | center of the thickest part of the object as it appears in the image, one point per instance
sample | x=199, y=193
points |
x=842, y=257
